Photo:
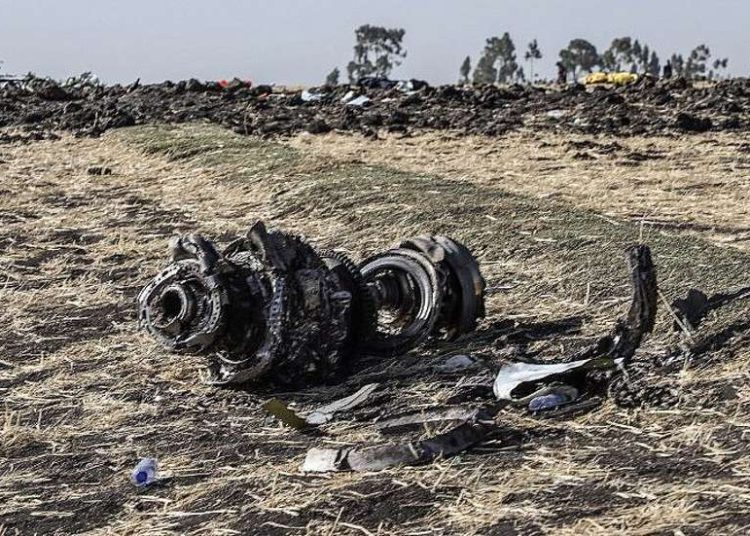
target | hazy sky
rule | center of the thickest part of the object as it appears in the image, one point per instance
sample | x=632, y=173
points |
x=300, y=41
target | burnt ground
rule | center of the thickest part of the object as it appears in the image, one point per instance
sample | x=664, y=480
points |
x=85, y=395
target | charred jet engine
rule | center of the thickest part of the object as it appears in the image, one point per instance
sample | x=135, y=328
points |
x=269, y=305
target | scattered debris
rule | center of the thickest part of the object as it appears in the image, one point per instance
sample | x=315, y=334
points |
x=419, y=419
x=692, y=123
x=86, y=107
x=99, y=170
x=358, y=101
x=458, y=363
x=280, y=410
x=144, y=473
x=376, y=82
x=381, y=457
x=522, y=378
x=326, y=413
x=523, y=382
x=547, y=389
x=270, y=305
x=560, y=395
x=321, y=415
x=310, y=96
x=690, y=310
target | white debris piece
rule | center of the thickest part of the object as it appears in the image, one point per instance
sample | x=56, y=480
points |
x=514, y=375
x=358, y=101
x=457, y=363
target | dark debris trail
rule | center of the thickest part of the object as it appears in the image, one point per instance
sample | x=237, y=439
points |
x=648, y=107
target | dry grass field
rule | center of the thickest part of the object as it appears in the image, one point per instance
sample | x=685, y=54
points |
x=85, y=395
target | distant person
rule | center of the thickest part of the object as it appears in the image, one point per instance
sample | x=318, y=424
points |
x=562, y=73
x=668, y=69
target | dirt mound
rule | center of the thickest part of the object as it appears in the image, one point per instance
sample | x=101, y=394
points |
x=649, y=107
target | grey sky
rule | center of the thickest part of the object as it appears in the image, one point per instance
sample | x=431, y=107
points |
x=300, y=41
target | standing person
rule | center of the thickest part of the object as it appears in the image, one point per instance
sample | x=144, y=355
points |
x=668, y=69
x=562, y=73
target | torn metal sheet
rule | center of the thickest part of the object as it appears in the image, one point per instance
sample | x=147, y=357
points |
x=321, y=415
x=419, y=419
x=641, y=317
x=614, y=349
x=385, y=456
x=326, y=413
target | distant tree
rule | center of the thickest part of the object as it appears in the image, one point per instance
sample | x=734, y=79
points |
x=376, y=51
x=637, y=56
x=644, y=59
x=678, y=64
x=507, y=66
x=498, y=61
x=627, y=54
x=532, y=53
x=485, y=72
x=580, y=55
x=697, y=63
x=720, y=64
x=619, y=55
x=465, y=70
x=333, y=77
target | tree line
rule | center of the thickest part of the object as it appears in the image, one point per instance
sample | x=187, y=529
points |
x=498, y=62
x=378, y=50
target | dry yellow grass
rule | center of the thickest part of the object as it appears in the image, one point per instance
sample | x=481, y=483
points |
x=84, y=395
x=700, y=182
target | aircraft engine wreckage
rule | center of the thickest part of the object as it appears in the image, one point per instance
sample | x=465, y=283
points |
x=270, y=306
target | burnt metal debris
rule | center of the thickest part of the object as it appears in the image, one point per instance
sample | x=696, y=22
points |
x=86, y=107
x=473, y=425
x=270, y=306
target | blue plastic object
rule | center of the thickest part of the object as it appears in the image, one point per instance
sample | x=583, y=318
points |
x=144, y=473
x=549, y=401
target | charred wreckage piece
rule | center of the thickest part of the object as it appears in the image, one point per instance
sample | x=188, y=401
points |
x=270, y=306
x=513, y=384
